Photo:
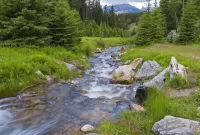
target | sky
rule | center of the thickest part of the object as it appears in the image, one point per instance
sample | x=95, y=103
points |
x=136, y=3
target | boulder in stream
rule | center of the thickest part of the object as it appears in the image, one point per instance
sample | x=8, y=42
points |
x=148, y=70
x=124, y=74
x=176, y=126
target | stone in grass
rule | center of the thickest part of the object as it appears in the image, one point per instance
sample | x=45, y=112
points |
x=158, y=81
x=176, y=126
x=177, y=69
x=148, y=70
x=87, y=128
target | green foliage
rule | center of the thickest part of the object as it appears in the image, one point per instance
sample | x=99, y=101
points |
x=150, y=29
x=172, y=11
x=103, y=30
x=38, y=22
x=178, y=82
x=144, y=32
x=173, y=37
x=157, y=106
x=187, y=25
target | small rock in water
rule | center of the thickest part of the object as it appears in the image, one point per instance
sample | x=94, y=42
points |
x=116, y=60
x=83, y=91
x=74, y=83
x=87, y=128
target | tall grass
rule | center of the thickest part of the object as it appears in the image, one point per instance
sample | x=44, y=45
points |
x=18, y=66
x=157, y=106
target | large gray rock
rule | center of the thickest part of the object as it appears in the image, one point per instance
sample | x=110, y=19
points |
x=176, y=126
x=124, y=74
x=148, y=70
x=158, y=81
x=177, y=69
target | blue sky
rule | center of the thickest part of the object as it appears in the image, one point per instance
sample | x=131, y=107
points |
x=137, y=3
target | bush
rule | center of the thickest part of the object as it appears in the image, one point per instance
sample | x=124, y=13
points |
x=172, y=37
x=178, y=82
x=101, y=43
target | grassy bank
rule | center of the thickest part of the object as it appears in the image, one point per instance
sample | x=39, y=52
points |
x=18, y=65
x=158, y=105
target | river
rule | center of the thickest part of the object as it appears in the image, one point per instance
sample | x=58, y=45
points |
x=61, y=108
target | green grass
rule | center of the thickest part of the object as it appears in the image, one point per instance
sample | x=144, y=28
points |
x=18, y=66
x=157, y=106
x=163, y=53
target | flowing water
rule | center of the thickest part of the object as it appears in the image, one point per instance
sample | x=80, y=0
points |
x=60, y=109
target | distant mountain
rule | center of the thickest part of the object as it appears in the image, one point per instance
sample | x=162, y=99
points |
x=125, y=8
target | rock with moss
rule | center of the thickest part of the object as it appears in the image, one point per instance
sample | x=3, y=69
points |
x=148, y=70
x=124, y=74
x=176, y=126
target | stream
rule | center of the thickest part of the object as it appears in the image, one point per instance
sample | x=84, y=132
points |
x=61, y=108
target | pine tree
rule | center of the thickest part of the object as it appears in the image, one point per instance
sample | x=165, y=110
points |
x=38, y=22
x=65, y=24
x=187, y=25
x=144, y=30
x=157, y=26
x=24, y=22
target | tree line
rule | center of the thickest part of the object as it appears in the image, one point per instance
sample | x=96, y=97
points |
x=107, y=22
x=177, y=20
x=39, y=22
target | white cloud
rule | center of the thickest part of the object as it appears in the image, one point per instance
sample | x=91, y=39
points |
x=137, y=4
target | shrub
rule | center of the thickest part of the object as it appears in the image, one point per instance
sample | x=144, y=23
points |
x=101, y=43
x=178, y=82
x=172, y=37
